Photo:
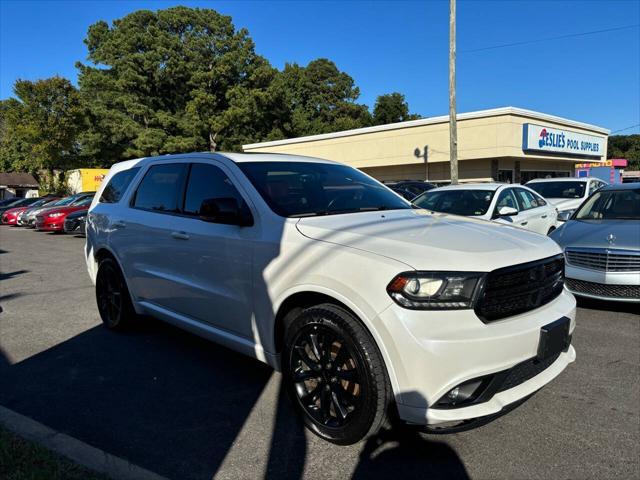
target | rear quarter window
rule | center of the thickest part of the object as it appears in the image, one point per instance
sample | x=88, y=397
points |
x=118, y=184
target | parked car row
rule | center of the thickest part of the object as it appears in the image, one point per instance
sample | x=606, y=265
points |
x=49, y=213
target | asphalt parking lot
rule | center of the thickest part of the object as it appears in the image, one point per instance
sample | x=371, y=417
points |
x=185, y=408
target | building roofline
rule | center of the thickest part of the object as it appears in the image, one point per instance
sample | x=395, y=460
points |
x=430, y=121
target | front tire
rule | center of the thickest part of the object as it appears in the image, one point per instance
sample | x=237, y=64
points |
x=112, y=296
x=335, y=375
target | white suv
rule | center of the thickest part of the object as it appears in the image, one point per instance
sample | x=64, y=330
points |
x=365, y=303
x=566, y=193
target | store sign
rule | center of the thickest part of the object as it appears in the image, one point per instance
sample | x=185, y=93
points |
x=546, y=139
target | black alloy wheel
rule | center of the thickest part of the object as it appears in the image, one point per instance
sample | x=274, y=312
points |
x=112, y=295
x=335, y=374
x=326, y=375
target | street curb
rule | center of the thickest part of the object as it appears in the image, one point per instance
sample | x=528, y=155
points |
x=74, y=449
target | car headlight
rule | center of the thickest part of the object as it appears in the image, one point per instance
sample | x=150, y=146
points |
x=55, y=215
x=435, y=290
x=565, y=215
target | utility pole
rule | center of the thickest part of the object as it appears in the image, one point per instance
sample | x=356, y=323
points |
x=453, y=127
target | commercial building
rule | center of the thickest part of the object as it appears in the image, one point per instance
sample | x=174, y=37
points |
x=504, y=144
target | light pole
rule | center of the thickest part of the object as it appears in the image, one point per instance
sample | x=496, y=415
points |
x=453, y=128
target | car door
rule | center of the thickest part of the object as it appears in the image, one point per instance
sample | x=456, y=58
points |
x=548, y=213
x=212, y=262
x=507, y=198
x=141, y=235
x=534, y=217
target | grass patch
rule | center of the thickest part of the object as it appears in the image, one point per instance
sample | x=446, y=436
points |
x=24, y=460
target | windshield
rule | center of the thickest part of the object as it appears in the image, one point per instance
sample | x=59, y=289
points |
x=42, y=201
x=83, y=202
x=300, y=189
x=457, y=202
x=66, y=201
x=611, y=205
x=559, y=189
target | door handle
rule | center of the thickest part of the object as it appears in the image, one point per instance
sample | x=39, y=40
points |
x=524, y=223
x=118, y=224
x=180, y=235
x=543, y=216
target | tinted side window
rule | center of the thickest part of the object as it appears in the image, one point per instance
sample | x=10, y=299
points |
x=161, y=187
x=207, y=182
x=541, y=201
x=112, y=193
x=525, y=199
x=506, y=199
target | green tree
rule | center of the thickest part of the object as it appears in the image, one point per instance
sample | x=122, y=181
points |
x=318, y=98
x=392, y=108
x=625, y=146
x=174, y=80
x=39, y=128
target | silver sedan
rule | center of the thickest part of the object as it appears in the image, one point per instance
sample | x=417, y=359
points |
x=601, y=242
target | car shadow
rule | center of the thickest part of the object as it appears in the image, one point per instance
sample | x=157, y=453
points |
x=175, y=404
x=157, y=396
x=406, y=453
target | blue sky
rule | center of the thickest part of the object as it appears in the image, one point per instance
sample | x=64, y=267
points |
x=393, y=46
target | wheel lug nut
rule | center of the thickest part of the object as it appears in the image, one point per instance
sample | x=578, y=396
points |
x=327, y=388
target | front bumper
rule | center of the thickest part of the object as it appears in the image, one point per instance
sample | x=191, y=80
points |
x=46, y=226
x=431, y=352
x=603, y=285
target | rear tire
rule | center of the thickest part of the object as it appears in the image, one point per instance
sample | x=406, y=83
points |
x=335, y=375
x=112, y=296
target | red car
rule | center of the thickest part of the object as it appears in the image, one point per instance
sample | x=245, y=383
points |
x=10, y=217
x=53, y=220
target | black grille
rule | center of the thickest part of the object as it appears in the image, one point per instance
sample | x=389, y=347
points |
x=525, y=371
x=520, y=288
x=602, y=290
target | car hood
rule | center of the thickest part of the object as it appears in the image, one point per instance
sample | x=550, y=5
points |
x=431, y=241
x=14, y=210
x=595, y=234
x=37, y=211
x=565, y=203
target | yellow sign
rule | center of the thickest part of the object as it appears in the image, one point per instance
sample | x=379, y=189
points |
x=92, y=178
x=606, y=163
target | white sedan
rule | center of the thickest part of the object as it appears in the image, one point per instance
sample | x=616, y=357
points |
x=510, y=204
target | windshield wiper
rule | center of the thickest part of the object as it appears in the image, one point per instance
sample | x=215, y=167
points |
x=309, y=214
x=338, y=212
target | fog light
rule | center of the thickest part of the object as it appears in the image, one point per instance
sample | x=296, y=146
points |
x=464, y=393
x=454, y=394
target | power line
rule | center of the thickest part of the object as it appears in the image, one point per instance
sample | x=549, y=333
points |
x=628, y=128
x=571, y=35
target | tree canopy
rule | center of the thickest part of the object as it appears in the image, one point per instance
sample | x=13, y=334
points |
x=392, y=108
x=39, y=128
x=625, y=146
x=176, y=80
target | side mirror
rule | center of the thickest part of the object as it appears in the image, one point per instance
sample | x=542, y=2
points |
x=226, y=211
x=506, y=212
